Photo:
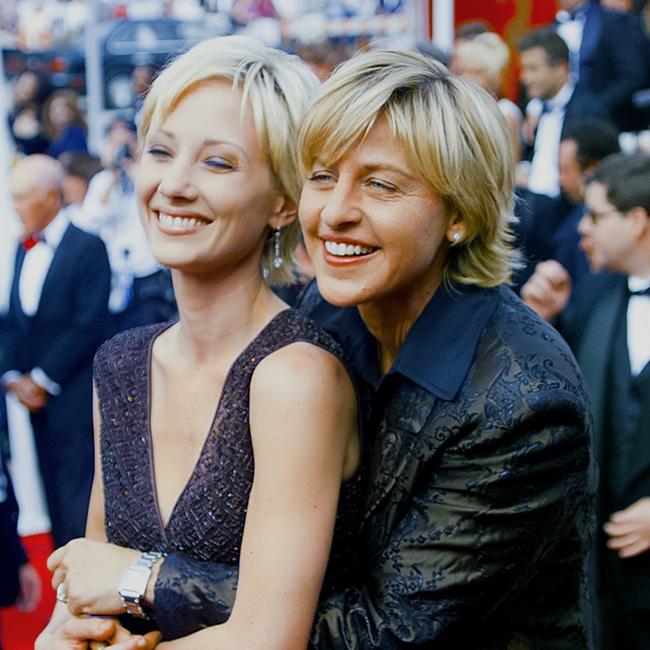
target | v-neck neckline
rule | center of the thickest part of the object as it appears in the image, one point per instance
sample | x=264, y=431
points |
x=165, y=526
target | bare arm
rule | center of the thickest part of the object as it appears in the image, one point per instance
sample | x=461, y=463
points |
x=303, y=427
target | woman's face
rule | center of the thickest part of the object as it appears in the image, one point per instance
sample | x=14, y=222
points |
x=374, y=228
x=205, y=190
x=60, y=113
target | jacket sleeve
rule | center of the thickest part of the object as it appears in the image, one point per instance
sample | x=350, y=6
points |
x=626, y=50
x=482, y=523
x=81, y=338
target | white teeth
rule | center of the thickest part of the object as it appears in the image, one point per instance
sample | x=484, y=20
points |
x=179, y=223
x=346, y=250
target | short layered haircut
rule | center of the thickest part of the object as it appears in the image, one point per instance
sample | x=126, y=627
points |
x=455, y=136
x=276, y=86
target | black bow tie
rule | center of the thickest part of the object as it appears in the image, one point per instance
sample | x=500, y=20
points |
x=642, y=292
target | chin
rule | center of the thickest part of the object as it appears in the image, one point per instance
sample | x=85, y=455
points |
x=336, y=293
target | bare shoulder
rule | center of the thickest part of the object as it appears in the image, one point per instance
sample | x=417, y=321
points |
x=304, y=369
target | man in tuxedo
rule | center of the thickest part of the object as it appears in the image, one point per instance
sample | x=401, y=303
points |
x=57, y=312
x=607, y=325
x=607, y=56
x=555, y=101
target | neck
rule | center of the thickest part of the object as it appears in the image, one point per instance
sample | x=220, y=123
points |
x=390, y=320
x=639, y=264
x=220, y=313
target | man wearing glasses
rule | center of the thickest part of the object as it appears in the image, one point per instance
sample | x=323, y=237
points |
x=608, y=327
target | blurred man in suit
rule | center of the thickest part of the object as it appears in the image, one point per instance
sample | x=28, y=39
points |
x=607, y=56
x=57, y=312
x=607, y=325
x=555, y=101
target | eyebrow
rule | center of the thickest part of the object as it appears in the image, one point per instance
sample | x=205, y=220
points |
x=372, y=167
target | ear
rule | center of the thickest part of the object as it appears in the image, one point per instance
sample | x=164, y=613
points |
x=284, y=212
x=456, y=231
x=641, y=221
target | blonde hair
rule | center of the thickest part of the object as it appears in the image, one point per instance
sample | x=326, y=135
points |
x=275, y=85
x=488, y=49
x=454, y=133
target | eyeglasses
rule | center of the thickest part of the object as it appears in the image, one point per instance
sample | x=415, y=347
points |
x=599, y=216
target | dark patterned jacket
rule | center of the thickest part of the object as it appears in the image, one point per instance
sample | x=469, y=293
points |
x=480, y=492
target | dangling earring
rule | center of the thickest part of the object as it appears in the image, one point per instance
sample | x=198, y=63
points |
x=277, y=257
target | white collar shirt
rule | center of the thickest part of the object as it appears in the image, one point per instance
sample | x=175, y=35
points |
x=638, y=325
x=37, y=263
x=544, y=175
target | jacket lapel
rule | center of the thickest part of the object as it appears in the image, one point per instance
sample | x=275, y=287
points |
x=57, y=266
x=594, y=350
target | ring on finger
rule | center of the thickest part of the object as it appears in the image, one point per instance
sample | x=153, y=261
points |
x=61, y=596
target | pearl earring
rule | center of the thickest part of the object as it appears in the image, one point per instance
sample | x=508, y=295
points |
x=277, y=257
x=455, y=238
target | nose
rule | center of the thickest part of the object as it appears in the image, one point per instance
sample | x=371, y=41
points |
x=342, y=207
x=176, y=180
x=584, y=225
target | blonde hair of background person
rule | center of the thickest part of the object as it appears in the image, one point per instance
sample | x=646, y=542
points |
x=302, y=415
x=483, y=60
x=275, y=116
x=448, y=130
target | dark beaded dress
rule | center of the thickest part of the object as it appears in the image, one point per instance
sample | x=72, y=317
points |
x=207, y=521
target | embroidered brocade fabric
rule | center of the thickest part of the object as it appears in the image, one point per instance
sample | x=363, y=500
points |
x=207, y=520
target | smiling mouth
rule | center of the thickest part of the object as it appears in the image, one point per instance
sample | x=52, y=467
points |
x=347, y=250
x=181, y=224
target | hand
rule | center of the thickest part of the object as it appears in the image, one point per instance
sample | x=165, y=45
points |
x=548, y=290
x=90, y=633
x=29, y=393
x=629, y=529
x=90, y=572
x=30, y=589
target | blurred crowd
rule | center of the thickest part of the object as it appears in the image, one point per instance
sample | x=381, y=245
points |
x=585, y=97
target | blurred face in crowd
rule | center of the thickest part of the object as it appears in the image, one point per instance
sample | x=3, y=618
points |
x=374, y=228
x=74, y=190
x=26, y=88
x=205, y=189
x=607, y=236
x=617, y=5
x=571, y=178
x=60, y=113
x=35, y=204
x=475, y=71
x=541, y=79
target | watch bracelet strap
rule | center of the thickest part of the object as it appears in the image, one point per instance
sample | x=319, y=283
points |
x=142, y=566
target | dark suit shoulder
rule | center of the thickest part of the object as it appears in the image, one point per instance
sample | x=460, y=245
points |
x=523, y=351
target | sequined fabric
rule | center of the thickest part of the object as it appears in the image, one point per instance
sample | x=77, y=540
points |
x=207, y=521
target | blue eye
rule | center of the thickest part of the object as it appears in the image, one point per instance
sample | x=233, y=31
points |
x=379, y=185
x=321, y=177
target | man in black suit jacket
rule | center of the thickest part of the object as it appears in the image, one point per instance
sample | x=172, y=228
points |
x=608, y=50
x=57, y=312
x=555, y=102
x=607, y=325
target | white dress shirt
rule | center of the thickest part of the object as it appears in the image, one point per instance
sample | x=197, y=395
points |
x=571, y=31
x=544, y=174
x=638, y=325
x=33, y=273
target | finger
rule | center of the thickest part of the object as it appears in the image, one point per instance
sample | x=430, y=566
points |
x=617, y=529
x=132, y=643
x=79, y=629
x=58, y=577
x=55, y=559
x=635, y=549
x=617, y=543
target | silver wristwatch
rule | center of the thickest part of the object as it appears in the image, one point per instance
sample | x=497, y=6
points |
x=133, y=583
